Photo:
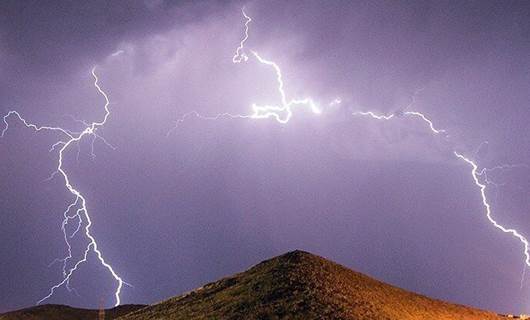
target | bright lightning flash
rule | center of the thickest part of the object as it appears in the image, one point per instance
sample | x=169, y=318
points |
x=480, y=177
x=476, y=174
x=283, y=113
x=77, y=209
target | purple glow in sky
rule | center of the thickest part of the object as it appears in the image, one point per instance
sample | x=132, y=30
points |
x=171, y=211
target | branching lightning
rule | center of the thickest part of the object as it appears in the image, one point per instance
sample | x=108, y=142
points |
x=77, y=209
x=476, y=174
x=480, y=177
x=283, y=113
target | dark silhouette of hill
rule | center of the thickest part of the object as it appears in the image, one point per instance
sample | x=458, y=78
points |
x=299, y=285
x=60, y=312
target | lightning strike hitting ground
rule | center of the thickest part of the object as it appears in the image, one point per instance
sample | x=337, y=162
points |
x=77, y=209
x=283, y=113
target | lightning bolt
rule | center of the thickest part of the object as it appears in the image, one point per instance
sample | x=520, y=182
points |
x=479, y=176
x=77, y=209
x=476, y=174
x=406, y=113
x=240, y=55
x=282, y=113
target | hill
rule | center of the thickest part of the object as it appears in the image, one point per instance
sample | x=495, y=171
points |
x=299, y=285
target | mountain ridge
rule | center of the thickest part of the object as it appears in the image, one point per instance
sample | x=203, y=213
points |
x=300, y=285
x=295, y=285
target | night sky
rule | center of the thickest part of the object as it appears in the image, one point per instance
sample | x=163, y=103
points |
x=172, y=212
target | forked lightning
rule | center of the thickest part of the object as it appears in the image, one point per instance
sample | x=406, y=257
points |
x=283, y=113
x=77, y=209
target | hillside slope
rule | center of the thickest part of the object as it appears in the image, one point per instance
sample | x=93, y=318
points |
x=299, y=285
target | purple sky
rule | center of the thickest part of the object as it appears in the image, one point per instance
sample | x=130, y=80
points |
x=215, y=197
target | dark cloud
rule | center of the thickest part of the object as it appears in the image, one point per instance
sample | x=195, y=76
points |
x=54, y=35
x=172, y=212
